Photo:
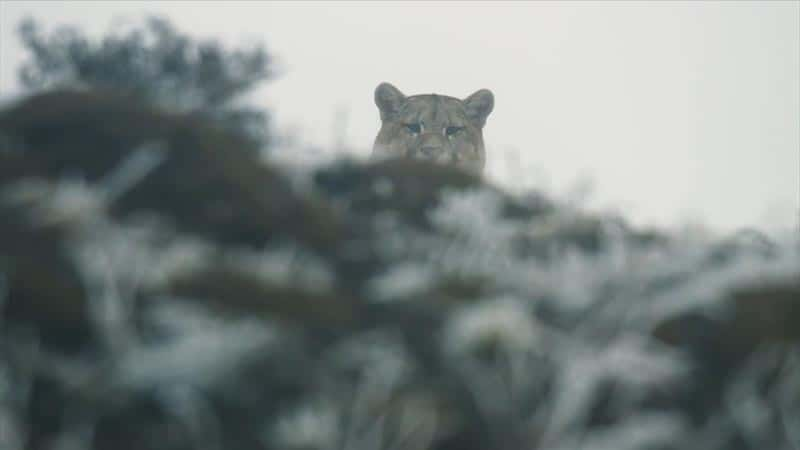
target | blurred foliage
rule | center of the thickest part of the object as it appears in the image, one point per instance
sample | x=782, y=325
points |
x=156, y=62
x=157, y=293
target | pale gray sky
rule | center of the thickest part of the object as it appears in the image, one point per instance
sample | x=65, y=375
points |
x=677, y=111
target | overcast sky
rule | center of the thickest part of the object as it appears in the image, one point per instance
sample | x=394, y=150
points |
x=676, y=111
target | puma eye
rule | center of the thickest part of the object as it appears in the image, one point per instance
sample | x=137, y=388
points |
x=414, y=127
x=452, y=131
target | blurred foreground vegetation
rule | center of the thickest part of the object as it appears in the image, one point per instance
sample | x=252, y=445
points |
x=156, y=62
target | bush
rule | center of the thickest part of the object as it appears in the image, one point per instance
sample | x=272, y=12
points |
x=152, y=61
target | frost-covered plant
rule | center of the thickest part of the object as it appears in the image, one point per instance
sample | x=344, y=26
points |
x=472, y=328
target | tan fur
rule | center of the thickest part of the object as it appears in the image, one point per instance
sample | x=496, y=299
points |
x=437, y=128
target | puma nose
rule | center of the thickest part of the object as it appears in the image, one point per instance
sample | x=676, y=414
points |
x=429, y=151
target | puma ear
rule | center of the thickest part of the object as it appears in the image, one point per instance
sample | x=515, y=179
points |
x=388, y=98
x=479, y=105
